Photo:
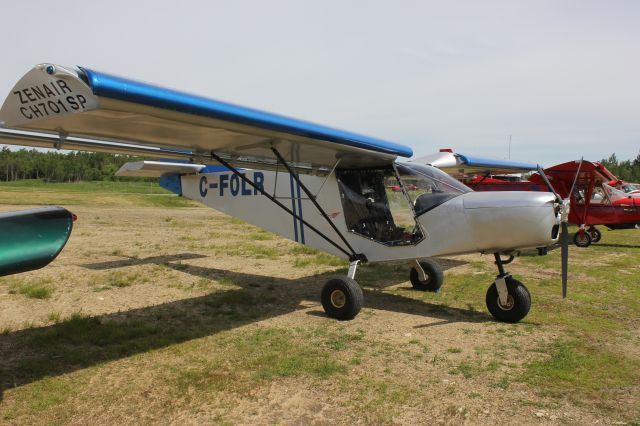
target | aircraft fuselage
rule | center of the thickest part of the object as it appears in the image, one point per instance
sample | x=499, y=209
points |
x=469, y=222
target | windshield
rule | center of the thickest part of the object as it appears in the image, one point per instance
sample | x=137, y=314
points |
x=428, y=187
x=630, y=187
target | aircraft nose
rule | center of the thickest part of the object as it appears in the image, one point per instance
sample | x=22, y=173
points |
x=512, y=220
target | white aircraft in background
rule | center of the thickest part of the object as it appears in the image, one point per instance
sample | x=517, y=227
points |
x=318, y=186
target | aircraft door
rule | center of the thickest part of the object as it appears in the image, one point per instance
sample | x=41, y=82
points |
x=375, y=207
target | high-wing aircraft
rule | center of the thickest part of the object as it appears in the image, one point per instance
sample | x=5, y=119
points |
x=318, y=186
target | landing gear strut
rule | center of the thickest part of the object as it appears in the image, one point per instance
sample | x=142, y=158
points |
x=507, y=299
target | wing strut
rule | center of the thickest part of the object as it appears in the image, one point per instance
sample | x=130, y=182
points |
x=352, y=255
x=313, y=200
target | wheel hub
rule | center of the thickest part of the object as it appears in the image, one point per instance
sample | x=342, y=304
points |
x=507, y=306
x=338, y=299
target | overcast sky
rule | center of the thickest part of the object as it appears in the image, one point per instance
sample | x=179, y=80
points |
x=561, y=77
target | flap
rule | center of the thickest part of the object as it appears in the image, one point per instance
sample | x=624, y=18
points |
x=157, y=169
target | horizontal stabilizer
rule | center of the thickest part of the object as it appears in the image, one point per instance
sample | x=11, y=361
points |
x=157, y=169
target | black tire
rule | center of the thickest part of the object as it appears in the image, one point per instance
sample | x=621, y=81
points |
x=583, y=240
x=433, y=271
x=342, y=298
x=519, y=302
x=595, y=234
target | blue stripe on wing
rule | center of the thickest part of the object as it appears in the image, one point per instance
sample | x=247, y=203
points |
x=131, y=91
x=489, y=163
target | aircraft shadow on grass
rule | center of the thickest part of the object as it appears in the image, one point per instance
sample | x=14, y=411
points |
x=134, y=261
x=80, y=342
x=616, y=245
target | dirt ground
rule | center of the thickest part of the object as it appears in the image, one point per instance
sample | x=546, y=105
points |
x=183, y=315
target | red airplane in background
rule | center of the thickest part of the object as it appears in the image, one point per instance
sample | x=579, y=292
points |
x=597, y=196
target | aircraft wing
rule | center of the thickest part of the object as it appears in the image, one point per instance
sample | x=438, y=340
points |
x=82, y=109
x=460, y=165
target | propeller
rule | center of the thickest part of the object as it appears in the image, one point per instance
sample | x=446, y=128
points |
x=564, y=223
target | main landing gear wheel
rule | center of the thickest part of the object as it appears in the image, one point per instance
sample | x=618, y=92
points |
x=595, y=234
x=433, y=273
x=582, y=239
x=342, y=298
x=517, y=305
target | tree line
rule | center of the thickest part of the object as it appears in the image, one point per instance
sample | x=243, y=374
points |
x=60, y=167
x=627, y=170
x=54, y=166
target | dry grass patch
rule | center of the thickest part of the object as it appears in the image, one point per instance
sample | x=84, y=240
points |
x=197, y=326
x=35, y=288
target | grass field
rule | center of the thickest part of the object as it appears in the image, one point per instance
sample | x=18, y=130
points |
x=166, y=312
x=120, y=187
x=115, y=193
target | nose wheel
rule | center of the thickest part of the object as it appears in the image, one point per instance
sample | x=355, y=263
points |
x=508, y=300
x=513, y=306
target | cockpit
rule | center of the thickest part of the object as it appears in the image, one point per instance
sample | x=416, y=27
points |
x=382, y=203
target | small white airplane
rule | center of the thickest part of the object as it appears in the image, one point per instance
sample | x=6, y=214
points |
x=318, y=186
